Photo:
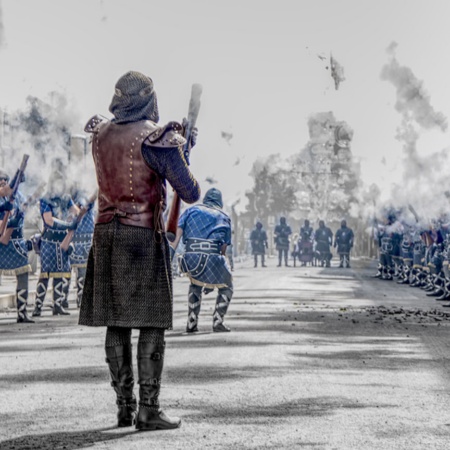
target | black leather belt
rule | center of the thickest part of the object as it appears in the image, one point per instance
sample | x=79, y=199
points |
x=17, y=233
x=54, y=235
x=197, y=245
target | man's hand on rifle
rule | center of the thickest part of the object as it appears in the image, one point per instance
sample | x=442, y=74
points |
x=16, y=221
x=194, y=132
x=14, y=180
x=7, y=206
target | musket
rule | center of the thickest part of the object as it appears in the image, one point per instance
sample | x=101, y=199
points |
x=70, y=234
x=14, y=187
x=175, y=207
x=6, y=236
x=414, y=213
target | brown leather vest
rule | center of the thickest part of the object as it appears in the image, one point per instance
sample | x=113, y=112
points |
x=128, y=188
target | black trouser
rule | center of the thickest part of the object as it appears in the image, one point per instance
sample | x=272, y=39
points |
x=280, y=256
x=262, y=259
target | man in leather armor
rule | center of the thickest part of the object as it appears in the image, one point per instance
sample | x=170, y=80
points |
x=14, y=255
x=344, y=242
x=282, y=233
x=258, y=240
x=128, y=279
x=324, y=239
x=206, y=233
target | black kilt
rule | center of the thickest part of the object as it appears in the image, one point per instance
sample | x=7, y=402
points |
x=129, y=280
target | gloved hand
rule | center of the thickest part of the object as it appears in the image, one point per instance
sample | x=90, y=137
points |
x=13, y=181
x=7, y=206
x=73, y=225
x=16, y=221
x=194, y=132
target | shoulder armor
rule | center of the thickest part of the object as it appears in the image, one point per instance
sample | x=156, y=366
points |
x=94, y=122
x=168, y=136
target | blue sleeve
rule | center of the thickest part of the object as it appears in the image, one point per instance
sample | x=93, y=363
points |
x=183, y=218
x=45, y=207
x=228, y=237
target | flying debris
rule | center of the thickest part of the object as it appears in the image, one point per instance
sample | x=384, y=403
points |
x=322, y=57
x=337, y=72
x=210, y=180
x=238, y=160
x=227, y=136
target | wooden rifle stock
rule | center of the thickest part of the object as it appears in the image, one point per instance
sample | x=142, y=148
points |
x=5, y=234
x=71, y=233
x=175, y=207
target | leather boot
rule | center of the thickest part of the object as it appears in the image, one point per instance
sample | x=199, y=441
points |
x=194, y=305
x=120, y=362
x=263, y=261
x=150, y=359
x=66, y=286
x=58, y=298
x=41, y=290
x=22, y=314
x=222, y=303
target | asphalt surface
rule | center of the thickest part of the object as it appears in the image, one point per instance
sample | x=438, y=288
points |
x=317, y=359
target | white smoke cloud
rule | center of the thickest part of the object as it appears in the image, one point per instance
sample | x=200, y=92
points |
x=50, y=132
x=424, y=181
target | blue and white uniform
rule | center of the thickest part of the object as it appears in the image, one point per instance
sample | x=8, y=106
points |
x=206, y=228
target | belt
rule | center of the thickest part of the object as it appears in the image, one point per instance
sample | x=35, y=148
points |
x=54, y=235
x=17, y=233
x=197, y=245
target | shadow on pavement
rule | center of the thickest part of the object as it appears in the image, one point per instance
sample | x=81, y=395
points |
x=78, y=374
x=250, y=414
x=66, y=441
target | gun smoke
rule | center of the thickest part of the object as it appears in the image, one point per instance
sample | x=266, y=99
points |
x=425, y=177
x=48, y=130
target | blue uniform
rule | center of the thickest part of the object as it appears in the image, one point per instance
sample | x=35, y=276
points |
x=205, y=222
x=206, y=228
x=54, y=261
x=82, y=240
x=14, y=256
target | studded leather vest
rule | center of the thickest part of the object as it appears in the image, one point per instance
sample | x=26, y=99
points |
x=128, y=188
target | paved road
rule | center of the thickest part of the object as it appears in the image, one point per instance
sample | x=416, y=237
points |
x=317, y=359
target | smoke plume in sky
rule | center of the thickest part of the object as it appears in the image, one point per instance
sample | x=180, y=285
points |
x=425, y=177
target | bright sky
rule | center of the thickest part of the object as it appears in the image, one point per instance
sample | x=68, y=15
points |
x=256, y=59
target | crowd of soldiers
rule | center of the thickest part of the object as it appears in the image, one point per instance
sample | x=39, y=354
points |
x=62, y=242
x=309, y=246
x=415, y=254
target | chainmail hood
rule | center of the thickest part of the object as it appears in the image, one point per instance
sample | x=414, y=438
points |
x=134, y=99
x=213, y=198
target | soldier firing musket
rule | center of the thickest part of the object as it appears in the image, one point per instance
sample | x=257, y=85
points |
x=14, y=248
